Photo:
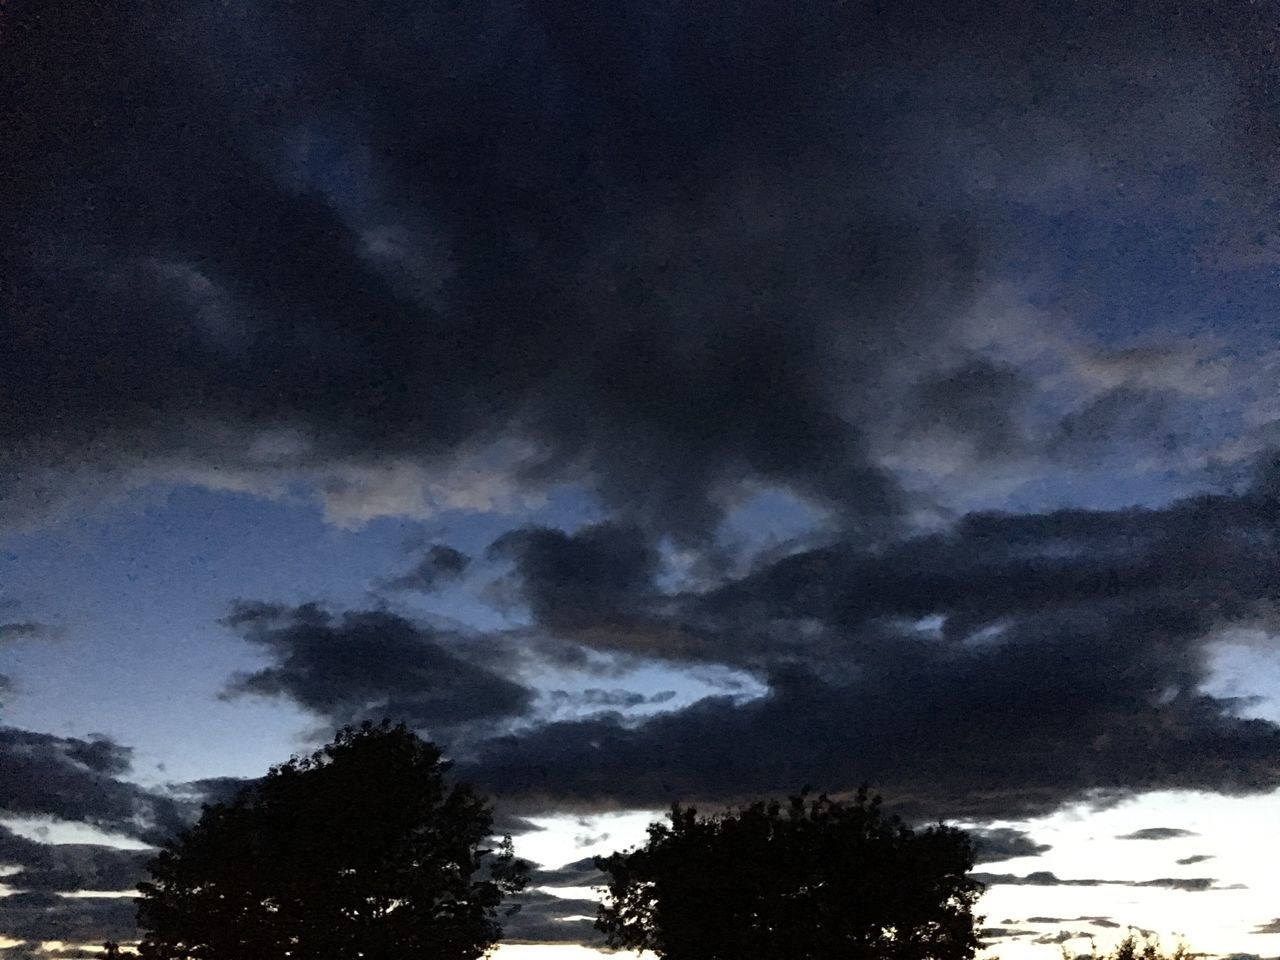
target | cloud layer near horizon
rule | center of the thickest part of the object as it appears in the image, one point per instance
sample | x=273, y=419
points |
x=999, y=669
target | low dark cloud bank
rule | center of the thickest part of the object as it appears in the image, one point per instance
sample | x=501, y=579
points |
x=999, y=669
x=47, y=916
x=544, y=918
x=79, y=780
x=68, y=867
x=579, y=873
x=1105, y=922
x=1044, y=878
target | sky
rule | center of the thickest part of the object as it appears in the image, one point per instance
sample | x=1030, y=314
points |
x=650, y=402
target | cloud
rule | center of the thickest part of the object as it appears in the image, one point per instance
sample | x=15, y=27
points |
x=439, y=563
x=1045, y=878
x=579, y=873
x=1157, y=833
x=1122, y=415
x=940, y=668
x=26, y=630
x=543, y=918
x=369, y=664
x=1270, y=926
x=211, y=790
x=509, y=823
x=1004, y=843
x=74, y=779
x=1000, y=933
x=599, y=576
x=977, y=403
x=68, y=867
x=35, y=916
x=718, y=265
x=1197, y=858
x=1062, y=936
x=18, y=630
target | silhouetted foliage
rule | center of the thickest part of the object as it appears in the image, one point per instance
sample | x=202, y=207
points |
x=1130, y=949
x=359, y=852
x=806, y=880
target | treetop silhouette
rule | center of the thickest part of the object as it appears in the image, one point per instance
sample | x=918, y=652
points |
x=812, y=879
x=360, y=851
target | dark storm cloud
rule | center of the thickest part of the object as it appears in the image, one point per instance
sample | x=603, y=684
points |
x=595, y=260
x=998, y=571
x=1062, y=936
x=837, y=737
x=368, y=664
x=439, y=563
x=48, y=916
x=1044, y=878
x=101, y=755
x=946, y=669
x=978, y=403
x=68, y=778
x=509, y=823
x=668, y=250
x=600, y=576
x=543, y=918
x=1157, y=833
x=579, y=873
x=69, y=866
x=1187, y=884
x=992, y=845
x=1000, y=933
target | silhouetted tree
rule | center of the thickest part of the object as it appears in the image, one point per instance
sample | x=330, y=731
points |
x=808, y=880
x=1130, y=949
x=358, y=852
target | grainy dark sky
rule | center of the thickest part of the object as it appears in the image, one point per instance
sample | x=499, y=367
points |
x=649, y=401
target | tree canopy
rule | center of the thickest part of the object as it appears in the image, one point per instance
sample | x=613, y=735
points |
x=812, y=879
x=360, y=851
x=1130, y=949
